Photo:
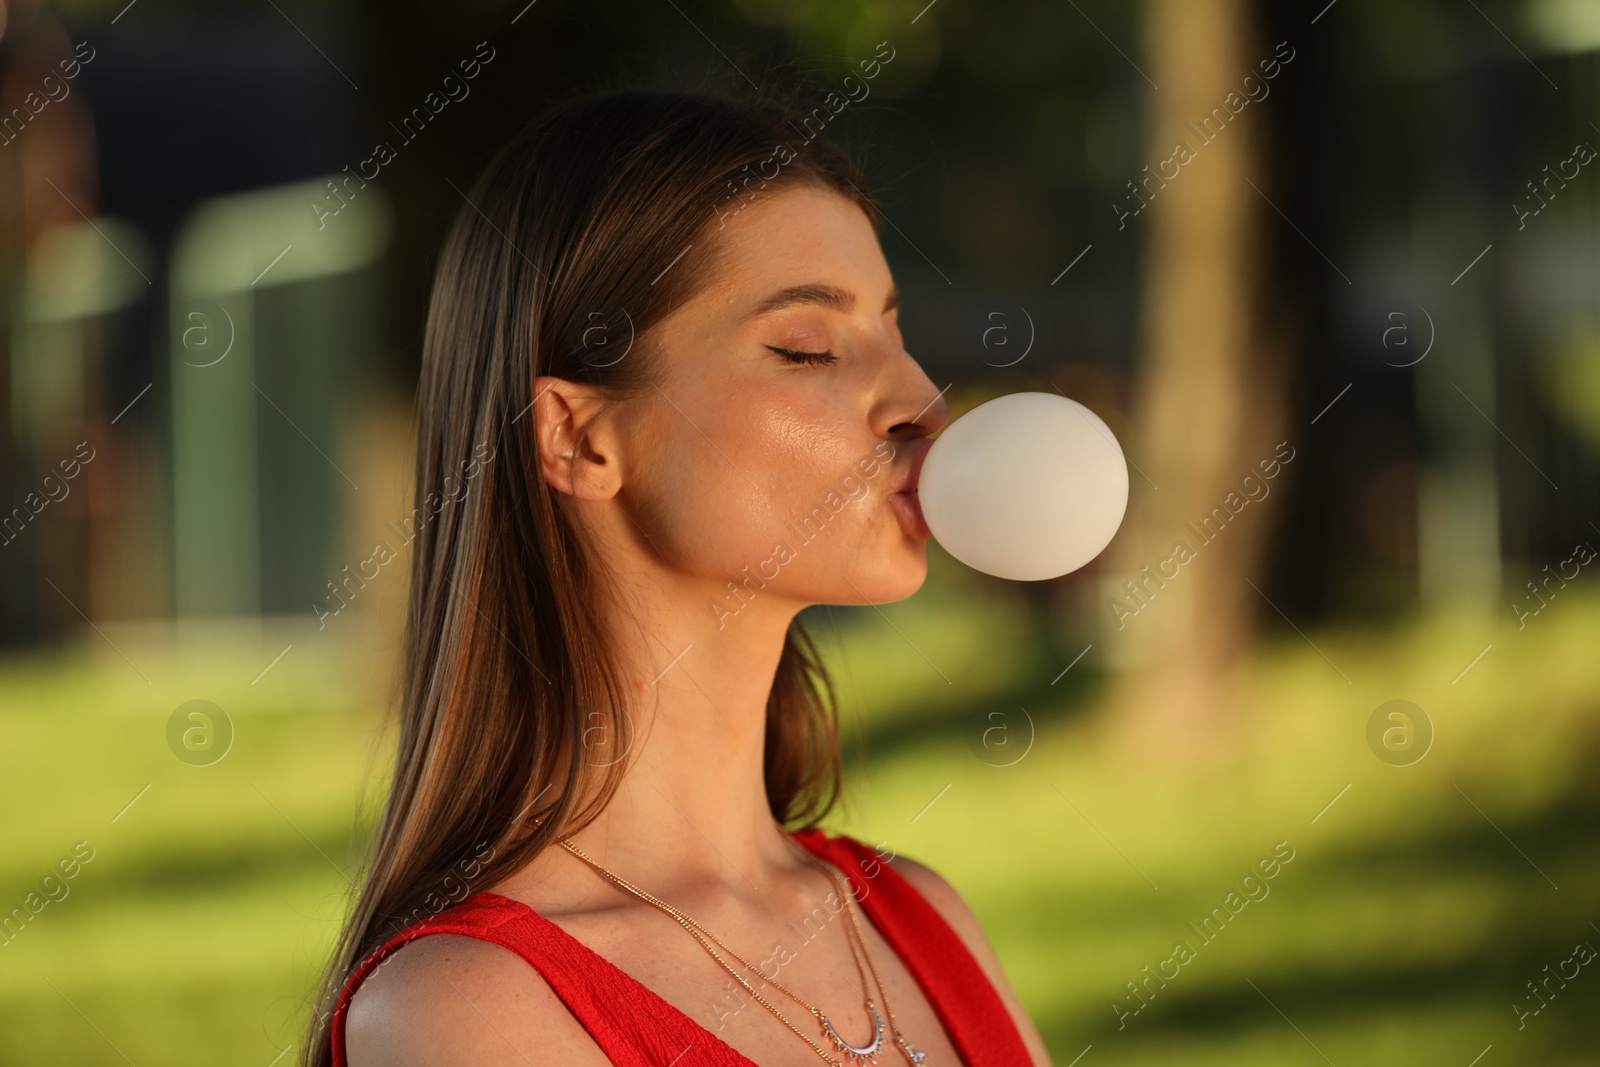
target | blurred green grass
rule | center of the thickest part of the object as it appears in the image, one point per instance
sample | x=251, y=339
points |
x=1413, y=912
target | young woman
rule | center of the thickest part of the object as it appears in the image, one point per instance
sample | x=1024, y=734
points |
x=664, y=406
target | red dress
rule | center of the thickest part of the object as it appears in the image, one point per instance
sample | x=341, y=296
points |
x=635, y=1027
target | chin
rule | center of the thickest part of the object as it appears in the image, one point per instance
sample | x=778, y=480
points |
x=901, y=573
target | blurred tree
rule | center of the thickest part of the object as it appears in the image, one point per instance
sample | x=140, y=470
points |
x=47, y=180
x=1209, y=399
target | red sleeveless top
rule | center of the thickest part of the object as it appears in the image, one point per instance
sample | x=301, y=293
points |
x=635, y=1027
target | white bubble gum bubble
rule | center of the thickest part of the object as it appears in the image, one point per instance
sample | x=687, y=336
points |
x=1027, y=486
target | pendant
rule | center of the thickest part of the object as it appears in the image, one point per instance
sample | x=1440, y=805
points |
x=916, y=1057
x=853, y=1054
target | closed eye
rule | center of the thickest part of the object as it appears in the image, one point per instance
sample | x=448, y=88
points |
x=803, y=357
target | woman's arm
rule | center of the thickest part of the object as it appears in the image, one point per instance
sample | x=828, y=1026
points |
x=948, y=903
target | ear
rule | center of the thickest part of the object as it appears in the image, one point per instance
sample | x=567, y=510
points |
x=576, y=448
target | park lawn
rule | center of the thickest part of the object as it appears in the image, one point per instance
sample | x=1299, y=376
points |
x=1414, y=910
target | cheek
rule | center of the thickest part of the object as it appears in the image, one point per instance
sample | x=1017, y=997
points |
x=709, y=518
x=759, y=472
x=704, y=494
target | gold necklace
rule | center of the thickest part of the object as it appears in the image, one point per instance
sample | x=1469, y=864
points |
x=856, y=1054
x=854, y=937
x=844, y=893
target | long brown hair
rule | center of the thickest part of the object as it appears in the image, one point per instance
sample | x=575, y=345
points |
x=582, y=233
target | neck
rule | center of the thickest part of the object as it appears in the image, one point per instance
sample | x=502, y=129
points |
x=692, y=804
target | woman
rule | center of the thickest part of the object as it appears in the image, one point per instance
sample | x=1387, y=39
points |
x=664, y=406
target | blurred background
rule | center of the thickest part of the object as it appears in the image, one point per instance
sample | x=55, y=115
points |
x=1295, y=254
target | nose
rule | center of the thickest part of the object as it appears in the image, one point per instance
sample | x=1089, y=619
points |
x=911, y=406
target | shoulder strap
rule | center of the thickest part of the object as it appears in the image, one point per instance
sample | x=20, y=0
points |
x=631, y=1023
x=980, y=1027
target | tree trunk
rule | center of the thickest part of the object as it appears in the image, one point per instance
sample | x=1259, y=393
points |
x=1209, y=401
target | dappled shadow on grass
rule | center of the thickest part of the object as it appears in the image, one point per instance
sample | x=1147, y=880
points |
x=1532, y=925
x=1042, y=691
x=226, y=865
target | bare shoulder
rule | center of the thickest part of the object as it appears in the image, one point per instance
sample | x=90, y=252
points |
x=949, y=904
x=448, y=998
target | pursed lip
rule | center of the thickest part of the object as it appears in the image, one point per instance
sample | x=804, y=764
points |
x=919, y=452
x=905, y=500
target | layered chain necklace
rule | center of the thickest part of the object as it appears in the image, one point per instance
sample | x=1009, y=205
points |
x=853, y=1054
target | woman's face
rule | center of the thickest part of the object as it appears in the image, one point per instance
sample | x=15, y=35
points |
x=788, y=414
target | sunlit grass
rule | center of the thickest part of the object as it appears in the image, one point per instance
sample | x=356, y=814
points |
x=1406, y=915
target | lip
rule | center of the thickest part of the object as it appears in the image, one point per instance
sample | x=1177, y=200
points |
x=919, y=452
x=909, y=510
x=905, y=501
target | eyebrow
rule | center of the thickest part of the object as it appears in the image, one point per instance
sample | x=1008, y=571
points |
x=828, y=296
